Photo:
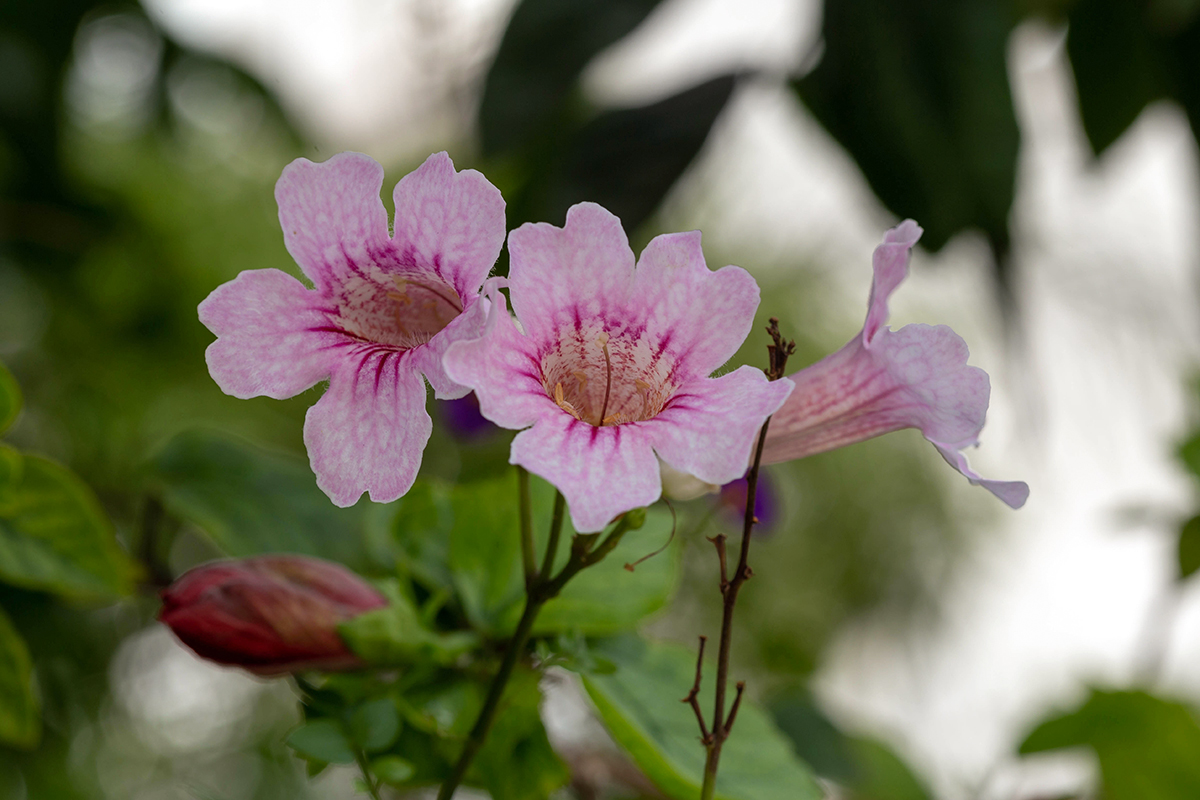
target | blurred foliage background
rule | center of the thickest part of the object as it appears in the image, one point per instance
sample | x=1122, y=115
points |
x=136, y=175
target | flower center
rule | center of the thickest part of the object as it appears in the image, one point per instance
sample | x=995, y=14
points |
x=607, y=380
x=403, y=311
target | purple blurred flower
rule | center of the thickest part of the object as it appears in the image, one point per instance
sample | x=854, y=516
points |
x=732, y=502
x=464, y=419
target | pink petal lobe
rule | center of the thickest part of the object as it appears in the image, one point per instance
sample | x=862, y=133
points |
x=450, y=221
x=702, y=315
x=268, y=342
x=710, y=427
x=891, y=267
x=503, y=368
x=333, y=219
x=916, y=377
x=430, y=357
x=367, y=432
x=1013, y=493
x=602, y=472
x=583, y=270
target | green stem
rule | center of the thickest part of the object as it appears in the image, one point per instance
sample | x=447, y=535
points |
x=539, y=592
x=361, y=758
x=556, y=524
x=527, y=556
x=516, y=646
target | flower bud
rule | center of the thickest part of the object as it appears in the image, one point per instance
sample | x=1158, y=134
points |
x=270, y=614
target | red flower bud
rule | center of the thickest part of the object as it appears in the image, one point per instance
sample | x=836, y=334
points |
x=270, y=614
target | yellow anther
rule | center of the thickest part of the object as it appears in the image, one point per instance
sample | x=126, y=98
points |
x=562, y=403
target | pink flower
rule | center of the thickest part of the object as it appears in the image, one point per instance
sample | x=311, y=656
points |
x=382, y=312
x=269, y=615
x=613, y=362
x=885, y=380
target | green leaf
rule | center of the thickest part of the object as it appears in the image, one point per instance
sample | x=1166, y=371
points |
x=395, y=636
x=485, y=551
x=252, y=501
x=322, y=740
x=640, y=705
x=393, y=770
x=919, y=96
x=546, y=45
x=1146, y=746
x=20, y=720
x=55, y=537
x=421, y=531
x=375, y=725
x=1117, y=64
x=880, y=774
x=485, y=561
x=10, y=398
x=517, y=762
x=608, y=598
x=1189, y=548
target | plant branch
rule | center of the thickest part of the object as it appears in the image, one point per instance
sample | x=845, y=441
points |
x=361, y=758
x=778, y=352
x=692, y=696
x=539, y=592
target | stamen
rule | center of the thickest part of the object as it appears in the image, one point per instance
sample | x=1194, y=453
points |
x=402, y=284
x=561, y=402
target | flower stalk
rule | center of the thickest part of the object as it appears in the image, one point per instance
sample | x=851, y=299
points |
x=540, y=589
x=714, y=739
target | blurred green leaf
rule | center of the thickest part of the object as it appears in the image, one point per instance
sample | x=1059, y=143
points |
x=628, y=159
x=20, y=720
x=393, y=770
x=868, y=769
x=421, y=532
x=394, y=636
x=517, y=762
x=1189, y=548
x=546, y=45
x=323, y=740
x=252, y=501
x=485, y=559
x=880, y=774
x=1117, y=64
x=640, y=705
x=375, y=724
x=55, y=537
x=1189, y=454
x=918, y=94
x=485, y=551
x=1147, y=746
x=10, y=398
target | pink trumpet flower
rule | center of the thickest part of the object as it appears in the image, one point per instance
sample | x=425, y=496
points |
x=885, y=380
x=382, y=312
x=611, y=363
x=269, y=614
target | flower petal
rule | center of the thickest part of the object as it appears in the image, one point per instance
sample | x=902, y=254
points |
x=558, y=276
x=1013, y=493
x=429, y=357
x=450, y=221
x=269, y=340
x=916, y=377
x=602, y=472
x=890, y=262
x=333, y=219
x=702, y=316
x=502, y=367
x=710, y=427
x=367, y=432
